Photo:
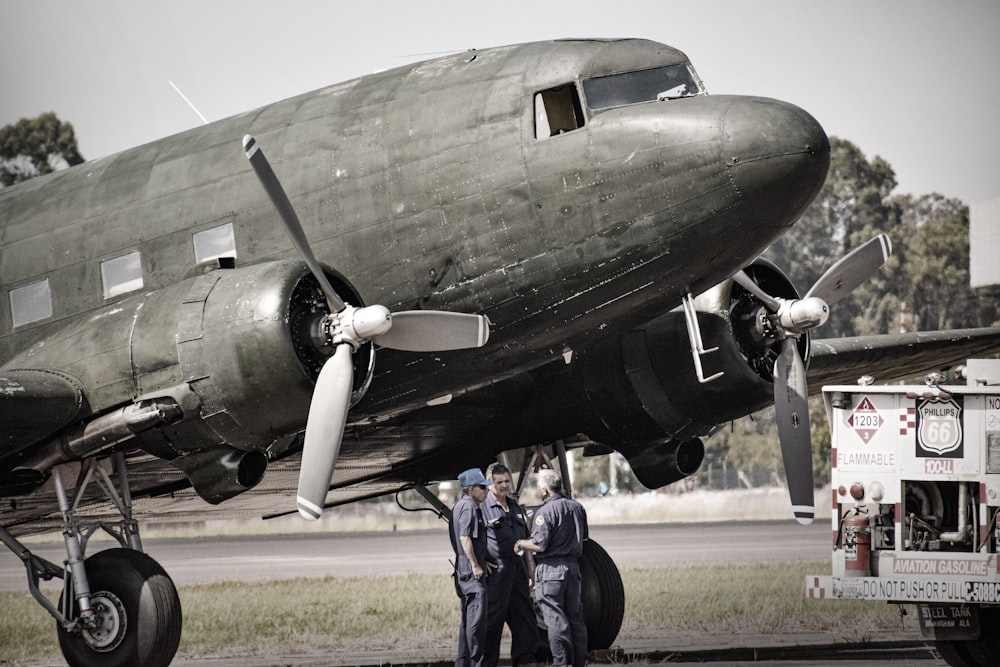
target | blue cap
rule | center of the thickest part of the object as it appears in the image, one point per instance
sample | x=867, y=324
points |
x=472, y=477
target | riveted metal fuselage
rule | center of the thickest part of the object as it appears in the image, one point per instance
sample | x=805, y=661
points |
x=427, y=186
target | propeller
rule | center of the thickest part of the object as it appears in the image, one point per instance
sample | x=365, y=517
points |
x=347, y=328
x=788, y=320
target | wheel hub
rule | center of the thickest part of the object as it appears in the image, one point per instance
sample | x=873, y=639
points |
x=107, y=630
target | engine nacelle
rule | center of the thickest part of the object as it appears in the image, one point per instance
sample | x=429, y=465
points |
x=237, y=350
x=644, y=391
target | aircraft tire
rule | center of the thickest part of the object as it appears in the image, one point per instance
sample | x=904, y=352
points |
x=138, y=611
x=602, y=594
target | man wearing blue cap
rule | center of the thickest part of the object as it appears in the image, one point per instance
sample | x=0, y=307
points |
x=468, y=539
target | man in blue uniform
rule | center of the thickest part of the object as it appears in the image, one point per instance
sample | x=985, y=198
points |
x=557, y=535
x=507, y=588
x=468, y=539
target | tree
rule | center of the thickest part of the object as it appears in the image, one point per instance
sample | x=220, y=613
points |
x=935, y=285
x=36, y=146
x=852, y=207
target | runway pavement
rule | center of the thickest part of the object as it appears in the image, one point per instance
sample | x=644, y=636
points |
x=261, y=558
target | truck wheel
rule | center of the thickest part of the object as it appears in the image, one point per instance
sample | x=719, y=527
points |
x=982, y=652
x=985, y=651
x=137, y=614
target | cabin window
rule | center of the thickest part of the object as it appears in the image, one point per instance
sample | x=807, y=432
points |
x=214, y=243
x=121, y=274
x=31, y=303
x=557, y=110
x=647, y=85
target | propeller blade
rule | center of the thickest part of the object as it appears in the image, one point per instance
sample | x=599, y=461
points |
x=272, y=186
x=324, y=431
x=435, y=331
x=791, y=408
x=747, y=283
x=851, y=270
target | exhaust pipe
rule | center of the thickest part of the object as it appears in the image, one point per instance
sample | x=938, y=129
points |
x=98, y=435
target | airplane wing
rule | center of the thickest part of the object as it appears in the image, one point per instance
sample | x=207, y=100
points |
x=35, y=404
x=896, y=356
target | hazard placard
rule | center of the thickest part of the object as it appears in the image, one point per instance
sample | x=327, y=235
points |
x=865, y=420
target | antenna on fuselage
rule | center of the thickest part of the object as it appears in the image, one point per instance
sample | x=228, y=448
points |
x=190, y=104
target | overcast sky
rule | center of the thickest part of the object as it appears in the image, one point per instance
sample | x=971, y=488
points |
x=913, y=81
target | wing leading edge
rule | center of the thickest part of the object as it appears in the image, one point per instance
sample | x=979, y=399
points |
x=896, y=356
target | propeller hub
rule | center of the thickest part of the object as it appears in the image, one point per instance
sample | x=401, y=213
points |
x=802, y=314
x=370, y=321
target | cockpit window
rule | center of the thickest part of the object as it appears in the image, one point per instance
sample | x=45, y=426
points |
x=647, y=85
x=557, y=110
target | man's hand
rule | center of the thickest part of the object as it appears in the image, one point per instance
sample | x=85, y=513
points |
x=477, y=572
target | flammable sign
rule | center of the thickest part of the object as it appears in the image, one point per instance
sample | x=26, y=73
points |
x=865, y=420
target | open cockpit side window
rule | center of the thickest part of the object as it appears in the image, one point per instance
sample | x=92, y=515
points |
x=557, y=110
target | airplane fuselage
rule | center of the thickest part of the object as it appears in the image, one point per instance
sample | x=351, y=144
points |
x=510, y=182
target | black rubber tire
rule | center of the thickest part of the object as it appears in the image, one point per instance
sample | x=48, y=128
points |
x=985, y=651
x=602, y=595
x=953, y=652
x=136, y=594
x=982, y=652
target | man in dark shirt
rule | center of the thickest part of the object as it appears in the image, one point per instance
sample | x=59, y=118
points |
x=558, y=531
x=508, y=588
x=468, y=539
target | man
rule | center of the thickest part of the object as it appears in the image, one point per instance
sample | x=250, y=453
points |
x=468, y=539
x=557, y=535
x=507, y=588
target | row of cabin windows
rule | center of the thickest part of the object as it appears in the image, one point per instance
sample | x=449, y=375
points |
x=557, y=110
x=119, y=275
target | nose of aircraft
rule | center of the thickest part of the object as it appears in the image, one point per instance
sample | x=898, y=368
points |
x=778, y=155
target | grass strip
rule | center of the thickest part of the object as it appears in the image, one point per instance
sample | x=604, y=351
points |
x=412, y=612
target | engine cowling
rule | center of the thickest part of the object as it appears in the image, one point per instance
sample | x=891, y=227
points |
x=236, y=349
x=646, y=396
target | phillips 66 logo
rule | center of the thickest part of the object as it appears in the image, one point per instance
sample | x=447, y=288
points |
x=939, y=428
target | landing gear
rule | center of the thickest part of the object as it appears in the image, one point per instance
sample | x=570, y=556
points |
x=119, y=608
x=136, y=614
x=602, y=591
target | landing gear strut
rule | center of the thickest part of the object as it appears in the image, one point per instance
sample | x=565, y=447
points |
x=118, y=608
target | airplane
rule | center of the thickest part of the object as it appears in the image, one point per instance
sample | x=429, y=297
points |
x=507, y=252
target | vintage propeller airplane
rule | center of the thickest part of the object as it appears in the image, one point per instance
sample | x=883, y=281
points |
x=532, y=223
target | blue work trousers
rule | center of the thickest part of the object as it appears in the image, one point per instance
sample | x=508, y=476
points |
x=472, y=629
x=557, y=590
x=510, y=603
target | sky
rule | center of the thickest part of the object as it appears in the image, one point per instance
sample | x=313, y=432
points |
x=912, y=81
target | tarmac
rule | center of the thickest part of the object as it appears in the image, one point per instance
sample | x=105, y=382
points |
x=820, y=647
x=904, y=647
